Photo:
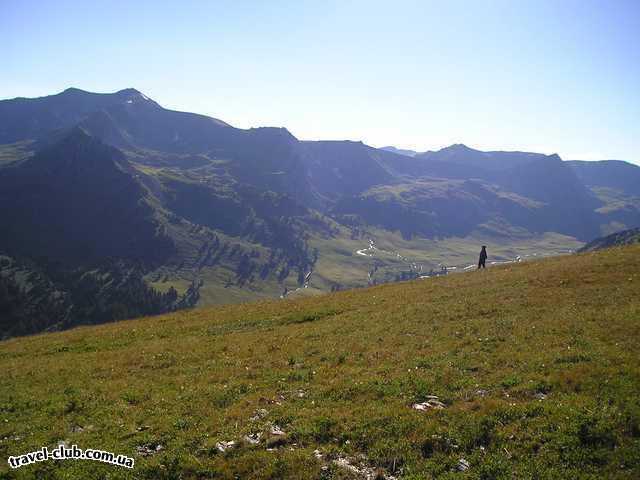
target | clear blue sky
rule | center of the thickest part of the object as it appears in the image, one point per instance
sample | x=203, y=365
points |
x=551, y=76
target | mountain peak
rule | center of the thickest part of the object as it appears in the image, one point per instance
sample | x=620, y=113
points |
x=458, y=150
x=458, y=147
x=73, y=91
x=75, y=139
x=132, y=95
x=128, y=91
x=77, y=152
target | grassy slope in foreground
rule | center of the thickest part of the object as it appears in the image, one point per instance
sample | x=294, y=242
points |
x=339, y=373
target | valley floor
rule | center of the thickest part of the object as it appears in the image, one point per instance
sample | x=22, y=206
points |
x=525, y=371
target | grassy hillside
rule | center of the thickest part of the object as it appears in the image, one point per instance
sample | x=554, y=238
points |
x=536, y=367
x=618, y=239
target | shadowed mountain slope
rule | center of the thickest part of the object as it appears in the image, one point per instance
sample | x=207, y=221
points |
x=77, y=201
x=612, y=174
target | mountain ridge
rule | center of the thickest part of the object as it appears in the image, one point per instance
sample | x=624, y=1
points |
x=244, y=214
x=618, y=239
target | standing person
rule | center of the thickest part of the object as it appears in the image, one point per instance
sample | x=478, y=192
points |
x=483, y=257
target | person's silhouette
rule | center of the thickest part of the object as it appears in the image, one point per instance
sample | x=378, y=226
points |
x=483, y=257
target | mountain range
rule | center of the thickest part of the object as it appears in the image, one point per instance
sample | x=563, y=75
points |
x=112, y=193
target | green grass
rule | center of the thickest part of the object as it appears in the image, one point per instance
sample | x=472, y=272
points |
x=338, y=262
x=538, y=365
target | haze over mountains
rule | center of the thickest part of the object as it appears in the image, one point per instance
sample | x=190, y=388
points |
x=109, y=193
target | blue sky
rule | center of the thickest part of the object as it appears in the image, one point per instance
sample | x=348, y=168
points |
x=550, y=76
